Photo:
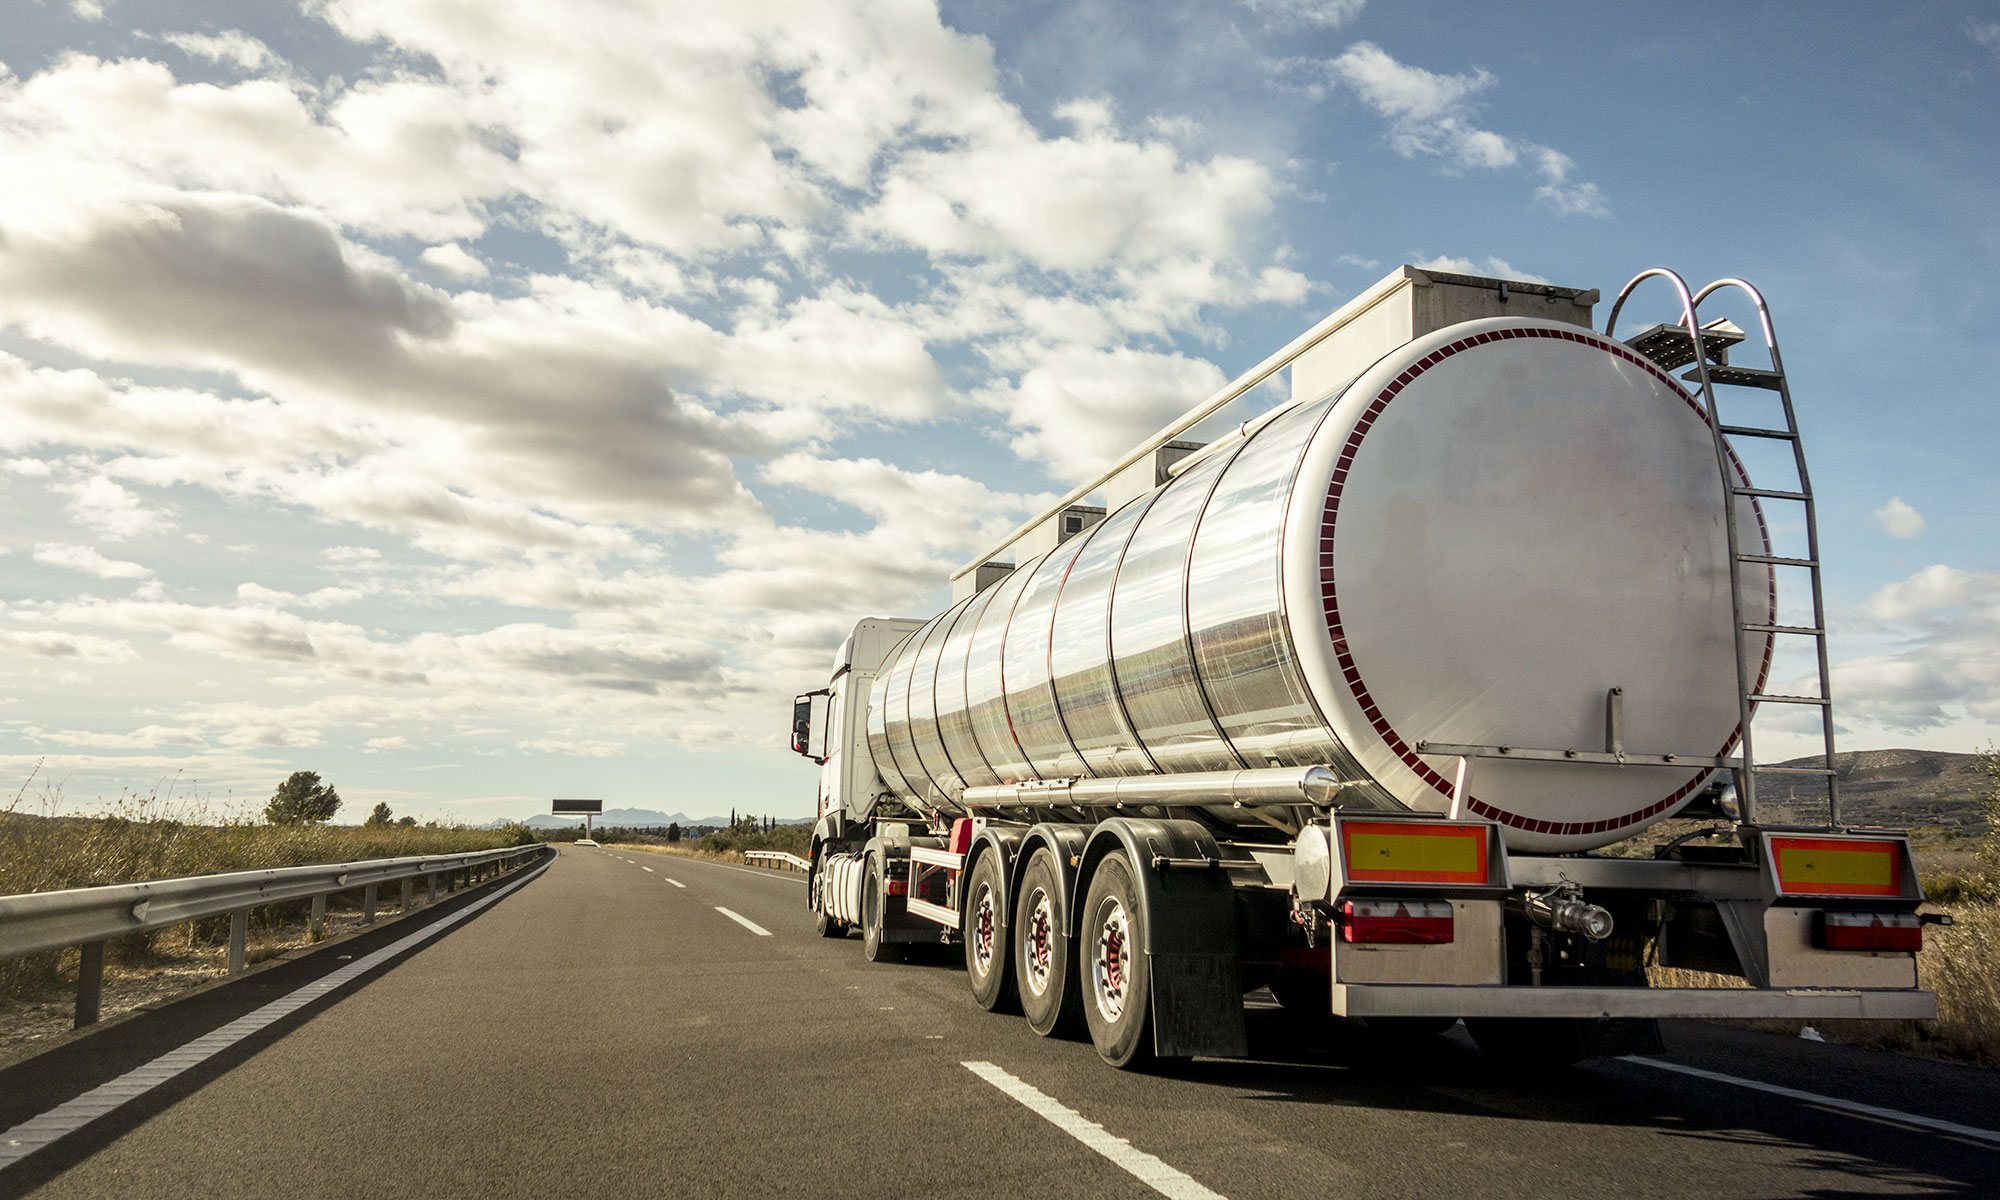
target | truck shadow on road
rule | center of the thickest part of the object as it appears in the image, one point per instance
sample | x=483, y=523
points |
x=1329, y=1069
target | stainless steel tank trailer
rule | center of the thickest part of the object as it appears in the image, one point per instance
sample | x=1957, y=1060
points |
x=1341, y=702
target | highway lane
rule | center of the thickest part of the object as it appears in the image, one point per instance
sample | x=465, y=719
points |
x=606, y=1030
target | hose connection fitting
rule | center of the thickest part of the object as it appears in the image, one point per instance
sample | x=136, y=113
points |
x=1563, y=909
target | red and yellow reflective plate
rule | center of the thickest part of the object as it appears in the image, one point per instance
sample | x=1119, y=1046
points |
x=1409, y=852
x=1815, y=866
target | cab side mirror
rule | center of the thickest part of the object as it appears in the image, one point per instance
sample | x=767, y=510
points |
x=809, y=714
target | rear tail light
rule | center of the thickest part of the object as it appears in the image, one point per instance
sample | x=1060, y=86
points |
x=1396, y=922
x=1869, y=931
x=898, y=887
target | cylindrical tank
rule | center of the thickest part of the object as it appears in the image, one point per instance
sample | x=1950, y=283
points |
x=1472, y=543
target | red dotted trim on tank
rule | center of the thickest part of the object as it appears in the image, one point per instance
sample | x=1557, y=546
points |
x=1335, y=629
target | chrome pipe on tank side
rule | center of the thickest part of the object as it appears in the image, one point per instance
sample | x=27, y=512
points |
x=1258, y=787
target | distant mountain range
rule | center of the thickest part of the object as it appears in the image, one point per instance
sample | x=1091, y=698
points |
x=1898, y=788
x=627, y=818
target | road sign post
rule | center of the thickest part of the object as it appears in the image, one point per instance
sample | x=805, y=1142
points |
x=579, y=808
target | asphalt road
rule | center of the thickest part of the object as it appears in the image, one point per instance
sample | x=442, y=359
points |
x=603, y=1031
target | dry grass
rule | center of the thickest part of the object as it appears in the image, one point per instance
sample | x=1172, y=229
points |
x=1960, y=962
x=151, y=838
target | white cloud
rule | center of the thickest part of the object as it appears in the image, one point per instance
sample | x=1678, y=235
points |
x=722, y=254
x=1987, y=34
x=1495, y=268
x=78, y=647
x=88, y=561
x=1079, y=407
x=454, y=262
x=111, y=510
x=232, y=46
x=1325, y=14
x=1431, y=114
x=1898, y=519
x=1946, y=667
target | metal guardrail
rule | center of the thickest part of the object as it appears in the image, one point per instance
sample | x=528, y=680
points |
x=780, y=858
x=89, y=917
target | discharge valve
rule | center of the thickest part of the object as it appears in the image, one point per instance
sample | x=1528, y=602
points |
x=1563, y=908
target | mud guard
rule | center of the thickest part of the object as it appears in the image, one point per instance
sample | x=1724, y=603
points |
x=1065, y=844
x=1190, y=924
x=1012, y=847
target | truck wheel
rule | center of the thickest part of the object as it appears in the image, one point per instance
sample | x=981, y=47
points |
x=1044, y=976
x=1527, y=1043
x=823, y=924
x=988, y=958
x=873, y=900
x=1117, y=975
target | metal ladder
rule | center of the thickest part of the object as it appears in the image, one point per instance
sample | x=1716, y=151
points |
x=1707, y=348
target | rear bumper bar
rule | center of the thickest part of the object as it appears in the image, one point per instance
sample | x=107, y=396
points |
x=1435, y=1000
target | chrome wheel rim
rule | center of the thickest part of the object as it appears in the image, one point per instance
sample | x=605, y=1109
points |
x=1038, y=944
x=1111, y=961
x=982, y=933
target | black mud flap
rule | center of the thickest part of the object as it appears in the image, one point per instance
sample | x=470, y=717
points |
x=1198, y=1006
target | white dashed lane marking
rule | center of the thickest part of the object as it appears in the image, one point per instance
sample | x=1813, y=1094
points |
x=745, y=922
x=677, y=883
x=1144, y=1167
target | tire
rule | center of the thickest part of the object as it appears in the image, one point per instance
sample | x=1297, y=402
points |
x=874, y=899
x=1044, y=974
x=824, y=925
x=1528, y=1044
x=1115, y=971
x=989, y=954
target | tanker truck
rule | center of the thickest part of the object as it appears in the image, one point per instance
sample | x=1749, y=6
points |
x=1348, y=702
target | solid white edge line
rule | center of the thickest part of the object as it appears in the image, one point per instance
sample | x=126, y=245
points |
x=1853, y=1106
x=677, y=883
x=64, y=1119
x=745, y=922
x=1142, y=1166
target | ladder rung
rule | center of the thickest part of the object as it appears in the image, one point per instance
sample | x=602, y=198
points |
x=1794, y=771
x=1778, y=560
x=1766, y=697
x=1799, y=629
x=1741, y=377
x=1770, y=493
x=1783, y=435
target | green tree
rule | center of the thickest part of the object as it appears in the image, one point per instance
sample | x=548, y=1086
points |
x=407, y=822
x=302, y=800
x=380, y=818
x=674, y=831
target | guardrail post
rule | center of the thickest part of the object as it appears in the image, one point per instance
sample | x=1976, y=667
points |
x=408, y=887
x=239, y=937
x=89, y=983
x=368, y=905
x=431, y=881
x=316, y=928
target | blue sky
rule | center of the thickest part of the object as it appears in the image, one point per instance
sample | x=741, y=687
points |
x=479, y=401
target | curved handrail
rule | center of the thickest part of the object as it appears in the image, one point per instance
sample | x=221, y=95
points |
x=1763, y=313
x=1747, y=785
x=1625, y=293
